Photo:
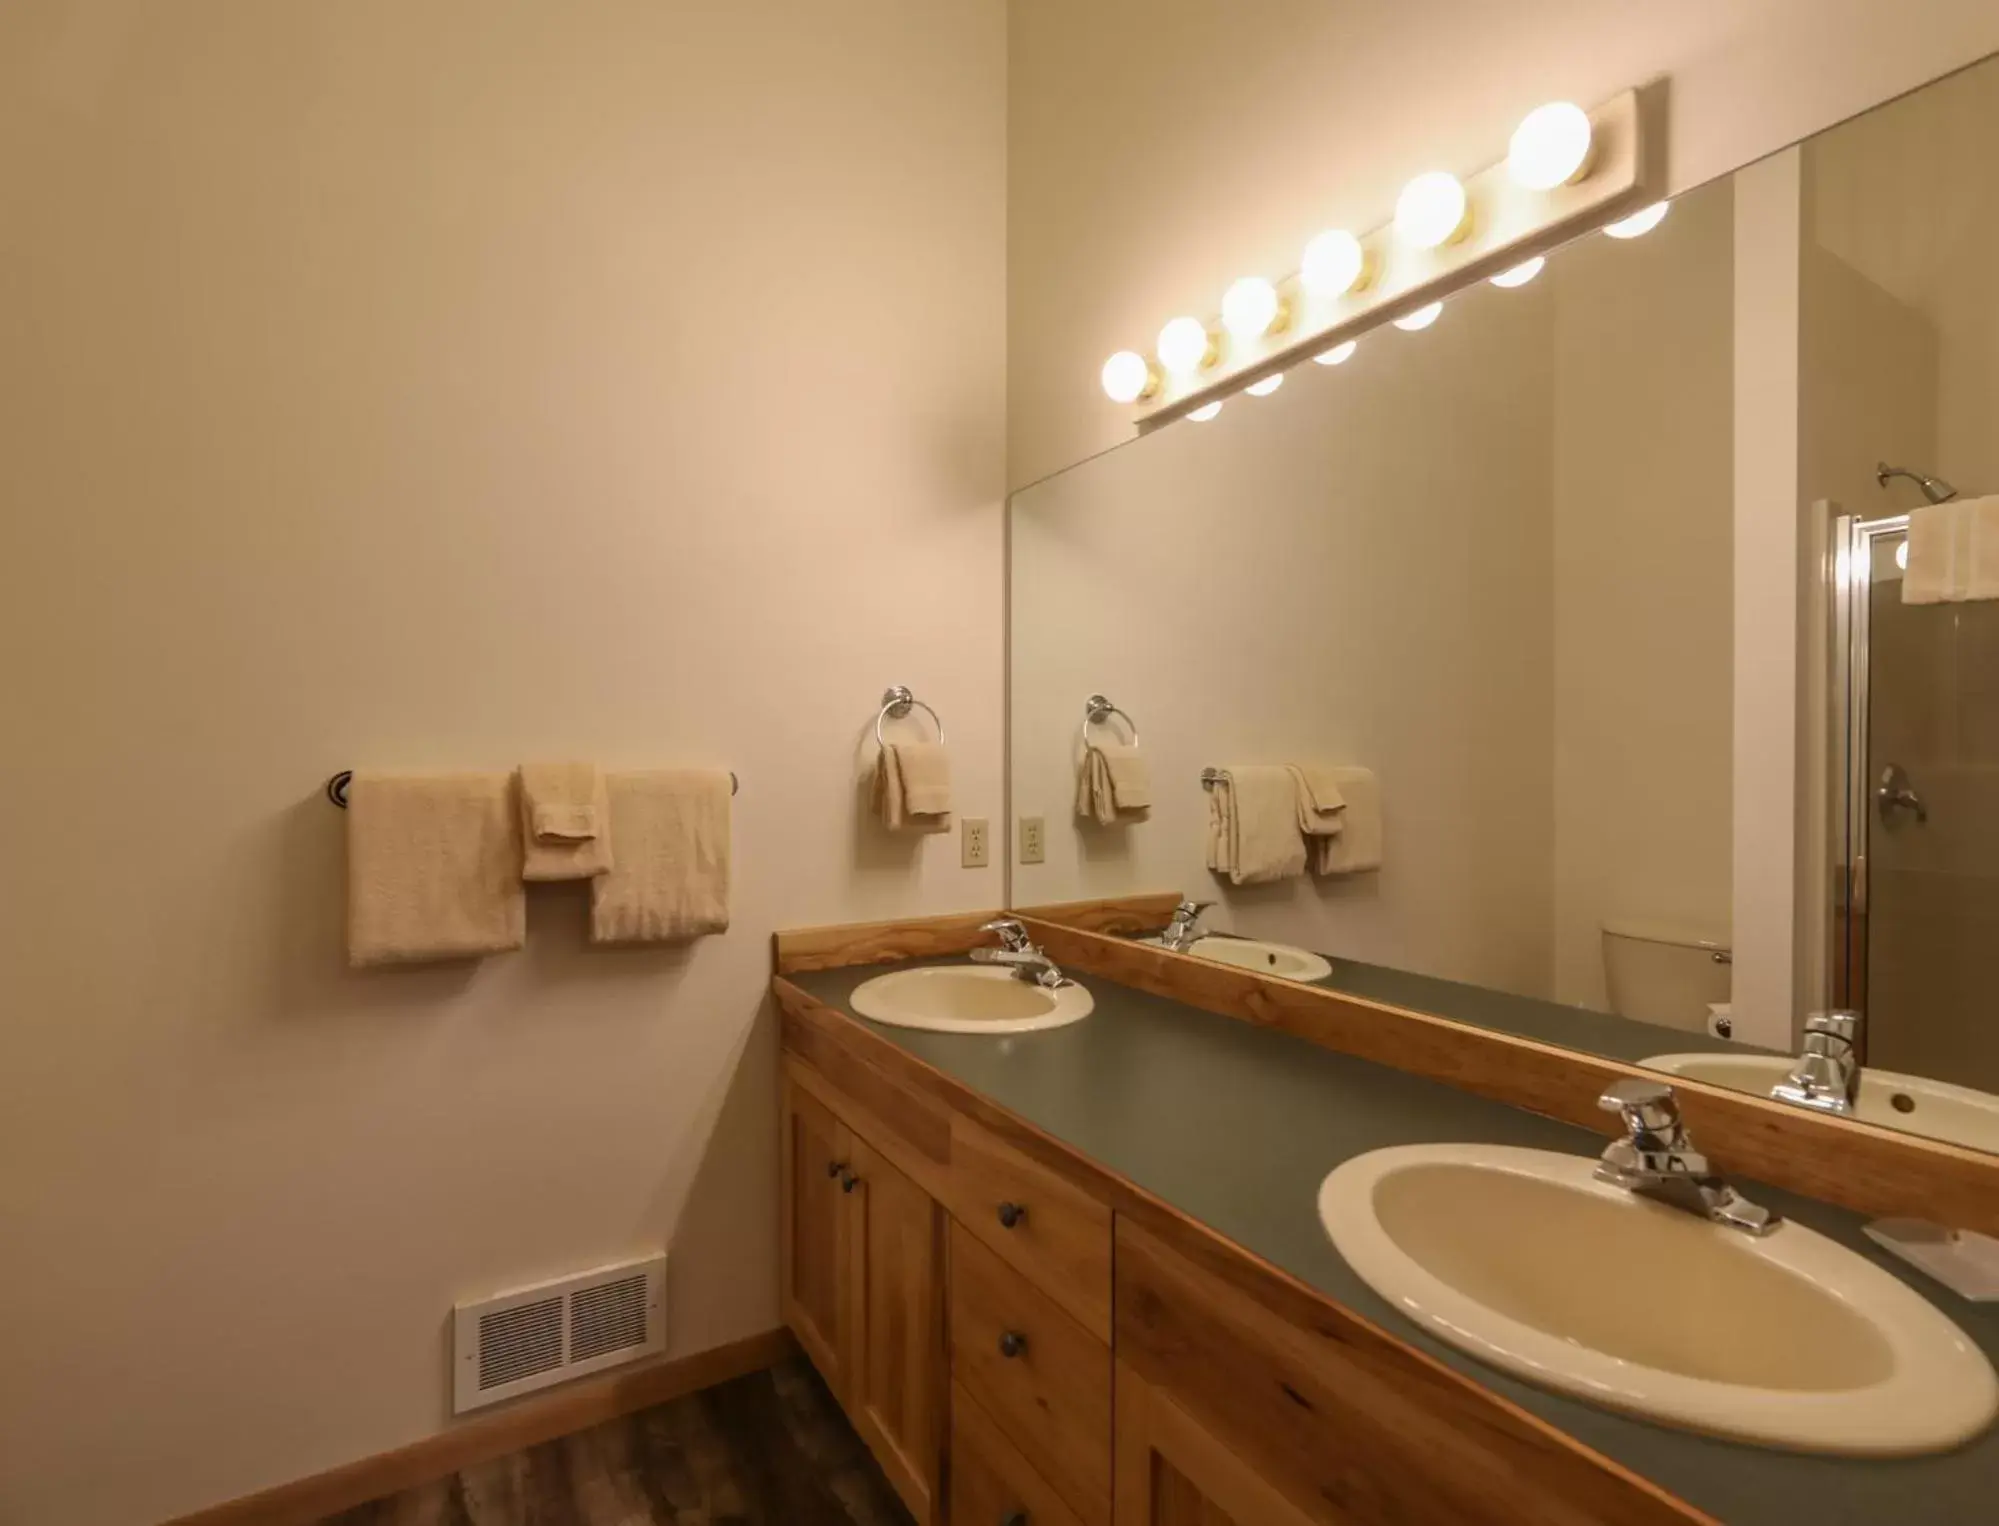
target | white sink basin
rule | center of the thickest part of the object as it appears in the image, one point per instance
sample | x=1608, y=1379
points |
x=1934, y=1108
x=1523, y=1259
x=1278, y=959
x=969, y=998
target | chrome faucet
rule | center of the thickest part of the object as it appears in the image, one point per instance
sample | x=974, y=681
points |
x=1017, y=951
x=1184, y=931
x=1657, y=1159
x=1827, y=1075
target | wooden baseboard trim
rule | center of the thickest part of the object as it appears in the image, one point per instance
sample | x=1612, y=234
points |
x=525, y=1423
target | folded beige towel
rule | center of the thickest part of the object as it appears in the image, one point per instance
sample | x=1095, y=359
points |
x=912, y=786
x=1321, y=806
x=1953, y=552
x=1357, y=848
x=565, y=826
x=1113, y=781
x=670, y=881
x=1253, y=825
x=433, y=868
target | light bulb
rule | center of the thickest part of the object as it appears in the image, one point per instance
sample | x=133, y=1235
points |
x=1249, y=308
x=1550, y=147
x=1184, y=345
x=1522, y=273
x=1127, y=377
x=1206, y=411
x=1422, y=318
x=1431, y=210
x=1265, y=387
x=1338, y=355
x=1902, y=556
x=1334, y=264
x=1639, y=222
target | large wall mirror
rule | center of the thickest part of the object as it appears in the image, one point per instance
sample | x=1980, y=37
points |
x=1595, y=596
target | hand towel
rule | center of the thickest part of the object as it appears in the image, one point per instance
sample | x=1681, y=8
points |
x=1113, y=781
x=1953, y=552
x=433, y=868
x=1253, y=825
x=670, y=880
x=912, y=786
x=565, y=826
x=1357, y=848
x=1321, y=806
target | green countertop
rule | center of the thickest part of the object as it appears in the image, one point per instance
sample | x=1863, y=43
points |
x=1236, y=1126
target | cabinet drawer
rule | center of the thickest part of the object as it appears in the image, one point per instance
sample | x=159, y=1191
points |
x=991, y=1482
x=1042, y=1376
x=1043, y=1226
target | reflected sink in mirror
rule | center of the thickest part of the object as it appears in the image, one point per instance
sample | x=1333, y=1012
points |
x=968, y=998
x=1955, y=1114
x=1279, y=959
x=1523, y=1259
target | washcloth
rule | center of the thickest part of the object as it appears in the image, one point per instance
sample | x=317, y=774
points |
x=1253, y=825
x=433, y=868
x=670, y=881
x=912, y=786
x=1321, y=806
x=1113, y=781
x=565, y=822
x=1953, y=552
x=1357, y=848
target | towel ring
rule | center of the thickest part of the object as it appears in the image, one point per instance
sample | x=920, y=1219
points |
x=336, y=787
x=897, y=702
x=1097, y=711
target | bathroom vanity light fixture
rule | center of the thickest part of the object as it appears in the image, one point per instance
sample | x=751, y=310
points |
x=1422, y=318
x=1566, y=172
x=1265, y=387
x=1206, y=411
x=1339, y=354
x=1639, y=224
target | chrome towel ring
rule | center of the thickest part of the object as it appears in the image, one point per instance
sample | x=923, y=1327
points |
x=897, y=702
x=1097, y=711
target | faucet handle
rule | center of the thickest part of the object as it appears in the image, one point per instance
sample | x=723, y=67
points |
x=1842, y=1025
x=1650, y=1108
x=1011, y=932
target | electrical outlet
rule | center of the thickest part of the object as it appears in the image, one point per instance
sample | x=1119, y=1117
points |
x=1033, y=847
x=972, y=836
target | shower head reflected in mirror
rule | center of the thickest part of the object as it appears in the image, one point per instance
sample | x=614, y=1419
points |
x=1934, y=488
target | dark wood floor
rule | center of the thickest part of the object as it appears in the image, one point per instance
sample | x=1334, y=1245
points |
x=767, y=1450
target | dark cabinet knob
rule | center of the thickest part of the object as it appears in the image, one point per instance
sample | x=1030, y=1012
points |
x=1011, y=1214
x=834, y=1168
x=1012, y=1343
x=849, y=1182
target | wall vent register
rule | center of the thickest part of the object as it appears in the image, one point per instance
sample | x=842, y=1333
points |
x=536, y=1336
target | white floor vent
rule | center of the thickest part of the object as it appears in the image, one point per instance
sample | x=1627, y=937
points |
x=550, y=1333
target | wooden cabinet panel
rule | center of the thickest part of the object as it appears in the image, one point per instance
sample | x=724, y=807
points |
x=1171, y=1472
x=1042, y=1376
x=814, y=1244
x=992, y=1482
x=1043, y=1226
x=897, y=1368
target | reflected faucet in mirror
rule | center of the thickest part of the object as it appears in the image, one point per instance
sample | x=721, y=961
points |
x=1827, y=1075
x=1018, y=951
x=1656, y=1159
x=1184, y=931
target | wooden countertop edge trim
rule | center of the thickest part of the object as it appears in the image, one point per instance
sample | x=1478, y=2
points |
x=1859, y=1166
x=524, y=1423
x=832, y=948
x=1206, y=1247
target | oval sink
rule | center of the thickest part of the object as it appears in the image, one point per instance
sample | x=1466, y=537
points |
x=1525, y=1260
x=1955, y=1114
x=1278, y=959
x=969, y=998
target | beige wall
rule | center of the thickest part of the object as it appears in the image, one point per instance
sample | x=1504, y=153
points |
x=1643, y=545
x=1159, y=150
x=436, y=385
x=1354, y=570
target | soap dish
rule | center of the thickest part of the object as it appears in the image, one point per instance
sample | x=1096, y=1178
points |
x=1963, y=1261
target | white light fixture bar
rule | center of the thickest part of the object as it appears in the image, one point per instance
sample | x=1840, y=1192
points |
x=1507, y=226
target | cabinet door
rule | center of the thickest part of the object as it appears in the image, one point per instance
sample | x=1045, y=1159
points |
x=896, y=1371
x=815, y=1241
x=1172, y=1472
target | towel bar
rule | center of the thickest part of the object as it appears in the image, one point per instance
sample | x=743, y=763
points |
x=336, y=787
x=1097, y=711
x=897, y=702
x=1210, y=777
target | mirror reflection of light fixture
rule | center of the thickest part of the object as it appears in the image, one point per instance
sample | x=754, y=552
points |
x=1432, y=211
x=1265, y=387
x=1206, y=411
x=1422, y=318
x=1128, y=376
x=1522, y=273
x=1185, y=345
x=1338, y=355
x=1250, y=308
x=1902, y=556
x=1640, y=223
x=1550, y=147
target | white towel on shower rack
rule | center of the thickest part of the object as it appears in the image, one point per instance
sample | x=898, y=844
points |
x=1953, y=552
